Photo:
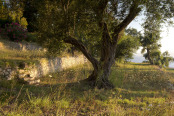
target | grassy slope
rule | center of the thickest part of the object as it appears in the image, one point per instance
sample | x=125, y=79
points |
x=140, y=89
x=13, y=57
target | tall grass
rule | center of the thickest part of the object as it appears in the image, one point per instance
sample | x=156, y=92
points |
x=141, y=90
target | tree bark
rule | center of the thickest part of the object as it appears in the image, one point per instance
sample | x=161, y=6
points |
x=148, y=56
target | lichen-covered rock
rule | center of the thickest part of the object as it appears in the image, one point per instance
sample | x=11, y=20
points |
x=21, y=71
x=9, y=69
x=34, y=82
x=29, y=79
x=12, y=75
x=21, y=75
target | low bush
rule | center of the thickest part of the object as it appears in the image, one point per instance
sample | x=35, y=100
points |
x=31, y=37
x=15, y=32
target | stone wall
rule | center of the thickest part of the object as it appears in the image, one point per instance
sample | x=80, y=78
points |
x=33, y=72
x=19, y=45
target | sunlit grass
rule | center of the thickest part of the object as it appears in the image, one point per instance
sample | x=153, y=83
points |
x=137, y=92
x=140, y=90
x=70, y=75
x=20, y=55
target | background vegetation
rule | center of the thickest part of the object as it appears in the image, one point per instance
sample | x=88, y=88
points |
x=98, y=30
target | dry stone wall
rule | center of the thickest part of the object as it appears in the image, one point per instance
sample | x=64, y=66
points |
x=7, y=73
x=33, y=72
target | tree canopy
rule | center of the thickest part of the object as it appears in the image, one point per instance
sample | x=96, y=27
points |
x=101, y=22
x=12, y=11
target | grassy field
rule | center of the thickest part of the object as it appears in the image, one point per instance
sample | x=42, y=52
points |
x=140, y=90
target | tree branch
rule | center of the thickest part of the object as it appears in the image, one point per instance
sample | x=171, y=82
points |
x=134, y=10
x=83, y=49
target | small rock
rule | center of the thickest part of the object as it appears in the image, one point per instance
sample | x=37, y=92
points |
x=8, y=77
x=21, y=71
x=9, y=69
x=6, y=73
x=21, y=75
x=34, y=82
x=28, y=79
x=37, y=81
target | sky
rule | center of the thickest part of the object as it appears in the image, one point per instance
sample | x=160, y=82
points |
x=167, y=38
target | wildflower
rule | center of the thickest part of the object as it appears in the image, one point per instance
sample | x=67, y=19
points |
x=15, y=23
x=15, y=32
x=150, y=105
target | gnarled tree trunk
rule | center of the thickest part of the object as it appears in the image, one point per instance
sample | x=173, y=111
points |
x=100, y=74
x=102, y=68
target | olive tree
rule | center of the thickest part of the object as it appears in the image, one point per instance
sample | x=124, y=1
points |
x=101, y=22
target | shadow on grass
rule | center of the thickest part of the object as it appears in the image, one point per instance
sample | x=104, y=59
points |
x=73, y=91
x=141, y=64
x=73, y=95
x=170, y=69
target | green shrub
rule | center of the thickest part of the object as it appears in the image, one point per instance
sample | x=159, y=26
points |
x=31, y=37
x=3, y=22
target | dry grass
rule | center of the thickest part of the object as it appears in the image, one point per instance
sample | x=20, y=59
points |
x=141, y=90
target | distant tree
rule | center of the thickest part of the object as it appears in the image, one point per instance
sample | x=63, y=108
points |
x=150, y=39
x=3, y=10
x=15, y=12
x=101, y=22
x=31, y=13
x=166, y=59
x=4, y=14
x=150, y=44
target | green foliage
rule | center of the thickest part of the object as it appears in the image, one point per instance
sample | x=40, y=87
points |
x=29, y=12
x=12, y=11
x=3, y=10
x=128, y=44
x=31, y=37
x=4, y=18
x=16, y=12
x=75, y=18
x=3, y=22
x=23, y=22
x=16, y=32
x=166, y=59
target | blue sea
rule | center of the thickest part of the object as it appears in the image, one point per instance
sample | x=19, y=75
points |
x=171, y=65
